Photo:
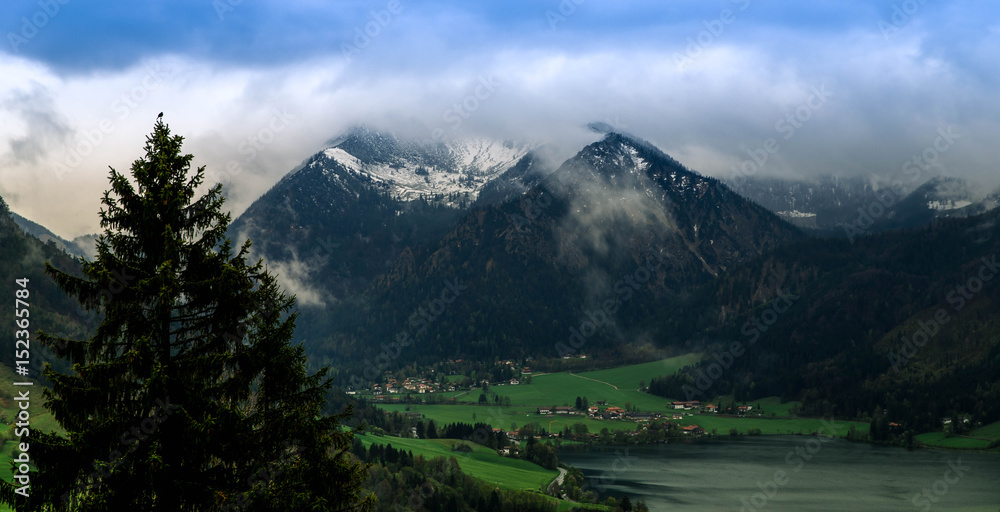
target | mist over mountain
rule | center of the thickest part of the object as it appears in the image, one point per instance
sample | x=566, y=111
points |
x=844, y=206
x=616, y=229
x=341, y=218
x=83, y=246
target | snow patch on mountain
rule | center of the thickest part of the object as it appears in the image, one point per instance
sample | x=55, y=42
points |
x=451, y=172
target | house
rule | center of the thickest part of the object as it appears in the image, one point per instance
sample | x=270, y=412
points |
x=601, y=402
x=564, y=410
x=678, y=416
x=592, y=411
x=544, y=410
x=642, y=416
x=743, y=409
x=711, y=408
x=692, y=430
x=693, y=404
x=613, y=413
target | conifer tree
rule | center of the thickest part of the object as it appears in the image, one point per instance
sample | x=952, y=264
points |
x=189, y=395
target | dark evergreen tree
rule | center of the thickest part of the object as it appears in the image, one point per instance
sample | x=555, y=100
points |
x=189, y=395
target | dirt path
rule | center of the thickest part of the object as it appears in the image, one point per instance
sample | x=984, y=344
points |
x=595, y=380
x=558, y=480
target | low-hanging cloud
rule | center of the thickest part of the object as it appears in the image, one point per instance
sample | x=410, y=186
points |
x=890, y=96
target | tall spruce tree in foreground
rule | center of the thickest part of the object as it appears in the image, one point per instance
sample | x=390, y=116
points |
x=189, y=395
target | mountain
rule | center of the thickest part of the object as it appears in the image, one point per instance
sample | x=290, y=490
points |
x=24, y=256
x=902, y=323
x=612, y=233
x=342, y=218
x=938, y=197
x=81, y=246
x=832, y=205
x=455, y=169
x=826, y=203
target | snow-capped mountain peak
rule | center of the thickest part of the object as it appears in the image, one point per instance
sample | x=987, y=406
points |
x=449, y=171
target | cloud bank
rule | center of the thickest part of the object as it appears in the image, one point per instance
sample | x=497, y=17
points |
x=257, y=88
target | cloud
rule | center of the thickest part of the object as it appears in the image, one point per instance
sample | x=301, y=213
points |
x=424, y=68
x=43, y=126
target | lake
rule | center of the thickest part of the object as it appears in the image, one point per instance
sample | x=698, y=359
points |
x=792, y=473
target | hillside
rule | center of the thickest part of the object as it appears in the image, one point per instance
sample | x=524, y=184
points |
x=619, y=229
x=902, y=323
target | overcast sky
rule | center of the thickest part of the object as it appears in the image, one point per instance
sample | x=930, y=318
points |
x=257, y=87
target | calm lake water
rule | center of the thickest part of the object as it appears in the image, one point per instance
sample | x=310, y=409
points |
x=792, y=473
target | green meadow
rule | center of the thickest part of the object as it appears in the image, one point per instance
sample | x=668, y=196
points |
x=482, y=462
x=629, y=377
x=723, y=424
x=618, y=387
x=41, y=420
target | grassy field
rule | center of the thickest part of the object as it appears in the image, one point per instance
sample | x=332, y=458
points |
x=482, y=463
x=628, y=377
x=769, y=407
x=991, y=431
x=505, y=417
x=938, y=439
x=617, y=386
x=722, y=425
x=41, y=419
